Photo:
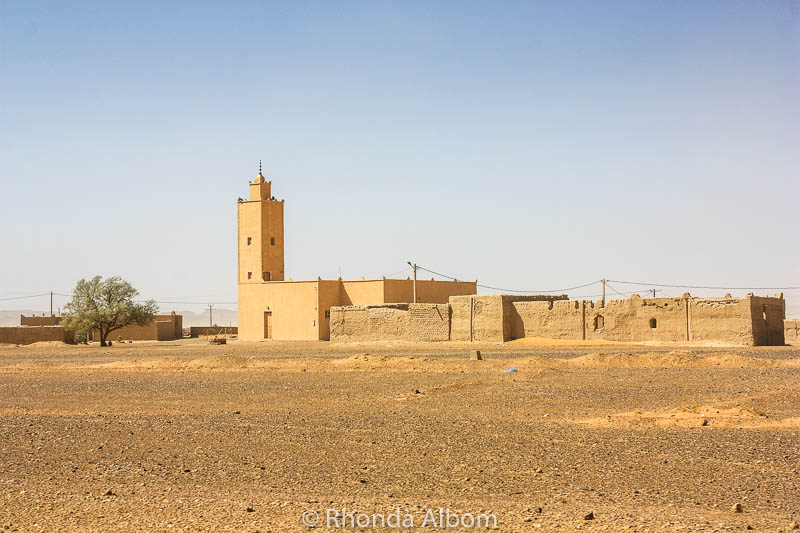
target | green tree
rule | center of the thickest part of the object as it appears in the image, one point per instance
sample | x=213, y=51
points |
x=106, y=305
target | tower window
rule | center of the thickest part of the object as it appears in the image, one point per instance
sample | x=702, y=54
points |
x=249, y=275
x=272, y=241
x=328, y=313
x=763, y=312
x=653, y=323
x=249, y=241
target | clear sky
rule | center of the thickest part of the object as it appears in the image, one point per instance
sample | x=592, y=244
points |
x=531, y=145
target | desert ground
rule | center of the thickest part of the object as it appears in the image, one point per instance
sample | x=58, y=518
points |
x=249, y=436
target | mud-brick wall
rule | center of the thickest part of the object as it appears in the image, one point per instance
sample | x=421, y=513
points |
x=767, y=315
x=387, y=323
x=721, y=319
x=31, y=334
x=554, y=320
x=34, y=320
x=477, y=318
x=428, y=322
x=494, y=318
x=791, y=331
x=391, y=322
x=638, y=319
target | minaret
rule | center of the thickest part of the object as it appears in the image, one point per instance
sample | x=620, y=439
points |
x=260, y=241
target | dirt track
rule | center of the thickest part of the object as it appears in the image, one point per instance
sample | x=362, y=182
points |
x=245, y=437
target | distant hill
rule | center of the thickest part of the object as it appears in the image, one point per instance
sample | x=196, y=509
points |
x=222, y=317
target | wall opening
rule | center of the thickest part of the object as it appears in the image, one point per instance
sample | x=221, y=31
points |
x=328, y=313
x=599, y=322
x=249, y=241
x=266, y=276
x=249, y=275
x=272, y=241
x=653, y=323
x=764, y=312
x=267, y=324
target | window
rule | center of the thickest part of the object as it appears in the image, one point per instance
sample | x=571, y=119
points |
x=249, y=275
x=249, y=241
x=266, y=276
x=599, y=322
x=272, y=241
x=328, y=313
x=764, y=312
x=653, y=323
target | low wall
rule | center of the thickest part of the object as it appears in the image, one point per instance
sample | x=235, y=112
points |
x=31, y=334
x=52, y=320
x=492, y=318
x=390, y=322
x=203, y=331
x=753, y=320
x=791, y=331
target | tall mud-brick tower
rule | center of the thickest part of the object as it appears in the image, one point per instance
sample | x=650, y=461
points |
x=260, y=241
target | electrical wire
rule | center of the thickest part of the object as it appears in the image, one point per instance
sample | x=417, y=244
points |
x=707, y=287
x=24, y=297
x=512, y=290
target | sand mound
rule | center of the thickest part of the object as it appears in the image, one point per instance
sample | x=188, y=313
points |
x=695, y=416
x=219, y=361
x=677, y=359
x=44, y=343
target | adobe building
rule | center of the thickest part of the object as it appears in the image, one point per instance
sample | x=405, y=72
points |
x=31, y=329
x=271, y=307
x=162, y=328
x=44, y=320
x=752, y=320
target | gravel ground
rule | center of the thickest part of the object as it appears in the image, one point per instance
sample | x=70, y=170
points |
x=248, y=436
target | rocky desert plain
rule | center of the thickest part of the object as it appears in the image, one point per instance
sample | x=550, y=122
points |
x=593, y=436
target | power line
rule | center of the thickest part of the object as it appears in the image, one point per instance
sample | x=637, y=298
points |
x=512, y=290
x=24, y=297
x=398, y=272
x=613, y=289
x=707, y=287
x=620, y=293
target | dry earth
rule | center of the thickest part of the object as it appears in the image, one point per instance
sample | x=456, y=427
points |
x=247, y=436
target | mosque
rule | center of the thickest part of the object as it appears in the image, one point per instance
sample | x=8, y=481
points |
x=272, y=306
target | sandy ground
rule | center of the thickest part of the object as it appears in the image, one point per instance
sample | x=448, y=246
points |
x=248, y=436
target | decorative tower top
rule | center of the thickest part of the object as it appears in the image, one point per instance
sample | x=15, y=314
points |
x=260, y=188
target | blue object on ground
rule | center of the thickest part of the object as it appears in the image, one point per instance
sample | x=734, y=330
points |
x=512, y=369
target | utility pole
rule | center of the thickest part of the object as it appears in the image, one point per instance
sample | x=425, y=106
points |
x=654, y=293
x=414, y=266
x=51, y=303
x=603, y=301
x=210, y=314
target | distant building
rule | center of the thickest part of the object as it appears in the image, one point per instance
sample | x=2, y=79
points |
x=44, y=320
x=271, y=307
x=163, y=328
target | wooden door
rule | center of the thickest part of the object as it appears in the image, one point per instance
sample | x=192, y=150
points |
x=267, y=324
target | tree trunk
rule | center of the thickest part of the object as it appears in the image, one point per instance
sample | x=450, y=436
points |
x=103, y=335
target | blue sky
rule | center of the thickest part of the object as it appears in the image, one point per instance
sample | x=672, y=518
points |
x=531, y=145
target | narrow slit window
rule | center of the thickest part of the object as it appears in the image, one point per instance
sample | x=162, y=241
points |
x=249, y=241
x=272, y=241
x=764, y=312
x=249, y=275
x=653, y=323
